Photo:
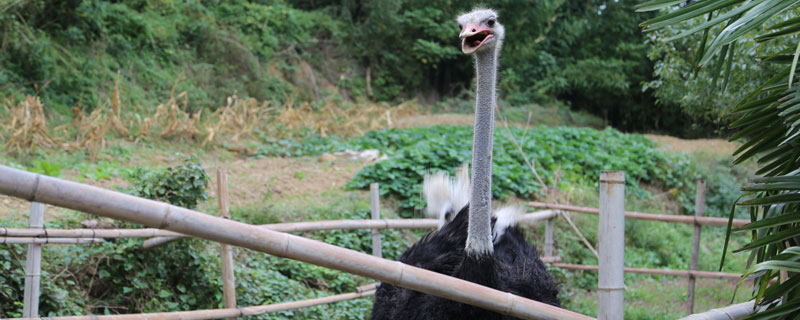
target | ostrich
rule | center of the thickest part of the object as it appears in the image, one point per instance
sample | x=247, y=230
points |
x=471, y=243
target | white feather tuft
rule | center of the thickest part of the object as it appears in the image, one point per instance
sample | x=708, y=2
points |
x=506, y=217
x=438, y=193
x=461, y=188
x=445, y=194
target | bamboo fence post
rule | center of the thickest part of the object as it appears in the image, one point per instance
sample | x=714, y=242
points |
x=699, y=206
x=611, y=245
x=375, y=204
x=116, y=205
x=228, y=278
x=548, y=238
x=33, y=265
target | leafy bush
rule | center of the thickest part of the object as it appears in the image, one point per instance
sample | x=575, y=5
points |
x=183, y=185
x=579, y=153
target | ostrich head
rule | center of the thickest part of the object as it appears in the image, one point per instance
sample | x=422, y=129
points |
x=480, y=31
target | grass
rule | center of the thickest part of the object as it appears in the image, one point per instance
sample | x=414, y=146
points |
x=660, y=298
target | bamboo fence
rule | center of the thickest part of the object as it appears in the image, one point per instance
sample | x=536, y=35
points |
x=116, y=205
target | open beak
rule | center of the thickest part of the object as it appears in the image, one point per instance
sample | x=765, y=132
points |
x=473, y=37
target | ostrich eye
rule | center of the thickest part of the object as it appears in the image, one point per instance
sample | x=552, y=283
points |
x=490, y=22
x=460, y=26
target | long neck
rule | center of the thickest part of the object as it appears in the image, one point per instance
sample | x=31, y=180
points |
x=479, y=236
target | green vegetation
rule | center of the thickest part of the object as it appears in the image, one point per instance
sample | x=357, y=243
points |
x=576, y=155
x=183, y=185
x=766, y=118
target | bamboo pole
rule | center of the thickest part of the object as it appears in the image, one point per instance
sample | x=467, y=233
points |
x=611, y=246
x=228, y=278
x=663, y=272
x=85, y=233
x=347, y=225
x=49, y=240
x=704, y=221
x=33, y=265
x=221, y=313
x=375, y=205
x=732, y=312
x=116, y=205
x=699, y=206
x=281, y=227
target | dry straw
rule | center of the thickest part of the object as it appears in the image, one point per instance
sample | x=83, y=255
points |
x=27, y=126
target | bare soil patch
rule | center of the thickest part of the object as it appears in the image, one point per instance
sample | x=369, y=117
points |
x=715, y=146
x=270, y=179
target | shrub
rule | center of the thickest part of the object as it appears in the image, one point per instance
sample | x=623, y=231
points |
x=183, y=185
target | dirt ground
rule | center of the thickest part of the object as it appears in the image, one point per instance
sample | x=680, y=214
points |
x=252, y=181
x=716, y=146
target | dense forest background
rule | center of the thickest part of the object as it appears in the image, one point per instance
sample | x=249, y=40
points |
x=586, y=55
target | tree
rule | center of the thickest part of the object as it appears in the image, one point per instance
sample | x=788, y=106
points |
x=766, y=120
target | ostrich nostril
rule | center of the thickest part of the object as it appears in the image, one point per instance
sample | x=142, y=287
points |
x=473, y=30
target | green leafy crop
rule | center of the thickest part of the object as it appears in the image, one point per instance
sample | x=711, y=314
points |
x=183, y=185
x=579, y=153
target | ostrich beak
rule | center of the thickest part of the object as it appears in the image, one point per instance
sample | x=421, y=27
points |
x=473, y=37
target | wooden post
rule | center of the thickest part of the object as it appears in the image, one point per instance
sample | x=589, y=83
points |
x=548, y=238
x=375, y=203
x=699, y=206
x=33, y=265
x=611, y=245
x=228, y=279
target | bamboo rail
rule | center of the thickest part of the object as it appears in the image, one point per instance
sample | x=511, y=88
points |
x=48, y=240
x=353, y=224
x=292, y=227
x=85, y=233
x=221, y=313
x=705, y=221
x=116, y=205
x=732, y=312
x=663, y=272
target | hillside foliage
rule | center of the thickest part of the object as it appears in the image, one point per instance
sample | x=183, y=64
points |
x=590, y=54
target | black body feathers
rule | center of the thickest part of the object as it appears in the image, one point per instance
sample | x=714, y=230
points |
x=514, y=267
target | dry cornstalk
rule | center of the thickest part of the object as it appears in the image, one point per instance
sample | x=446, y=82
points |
x=116, y=205
x=28, y=126
x=705, y=221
